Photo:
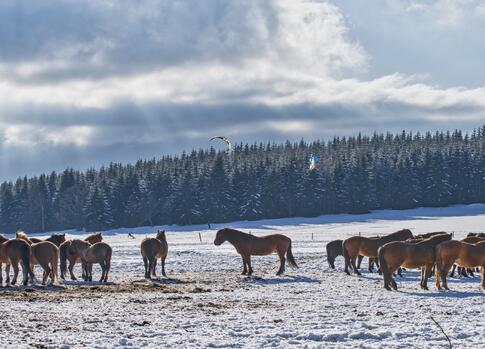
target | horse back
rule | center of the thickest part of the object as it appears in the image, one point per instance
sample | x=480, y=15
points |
x=153, y=248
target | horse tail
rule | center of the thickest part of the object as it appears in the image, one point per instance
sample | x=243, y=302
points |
x=55, y=259
x=290, y=257
x=437, y=265
x=63, y=259
x=384, y=266
x=25, y=251
x=107, y=258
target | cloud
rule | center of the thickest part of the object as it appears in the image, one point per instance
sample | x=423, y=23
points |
x=85, y=83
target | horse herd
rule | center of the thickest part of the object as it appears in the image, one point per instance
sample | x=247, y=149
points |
x=429, y=252
x=390, y=253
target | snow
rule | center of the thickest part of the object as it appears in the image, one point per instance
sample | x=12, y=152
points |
x=207, y=303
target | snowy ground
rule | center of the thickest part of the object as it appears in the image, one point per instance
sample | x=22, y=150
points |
x=207, y=303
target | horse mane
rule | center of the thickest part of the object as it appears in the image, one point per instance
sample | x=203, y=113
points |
x=229, y=232
x=435, y=238
x=21, y=235
x=400, y=233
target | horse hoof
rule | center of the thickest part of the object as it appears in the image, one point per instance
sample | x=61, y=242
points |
x=164, y=275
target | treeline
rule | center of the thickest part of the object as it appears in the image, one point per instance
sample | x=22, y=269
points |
x=353, y=175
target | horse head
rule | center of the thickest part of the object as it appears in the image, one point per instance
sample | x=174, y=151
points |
x=221, y=236
x=161, y=235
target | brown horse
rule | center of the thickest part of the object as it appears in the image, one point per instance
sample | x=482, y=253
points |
x=151, y=250
x=364, y=246
x=248, y=245
x=460, y=253
x=68, y=254
x=99, y=252
x=471, y=239
x=44, y=253
x=56, y=239
x=334, y=249
x=410, y=255
x=12, y=252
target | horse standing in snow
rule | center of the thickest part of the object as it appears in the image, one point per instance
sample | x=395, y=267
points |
x=410, y=255
x=67, y=252
x=364, y=246
x=461, y=253
x=334, y=249
x=12, y=252
x=151, y=250
x=248, y=245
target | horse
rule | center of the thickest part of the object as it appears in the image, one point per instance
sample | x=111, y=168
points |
x=11, y=253
x=99, y=252
x=461, y=253
x=361, y=245
x=471, y=239
x=66, y=253
x=56, y=239
x=151, y=250
x=334, y=249
x=44, y=253
x=410, y=255
x=248, y=245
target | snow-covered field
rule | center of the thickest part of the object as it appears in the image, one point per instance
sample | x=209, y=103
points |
x=207, y=303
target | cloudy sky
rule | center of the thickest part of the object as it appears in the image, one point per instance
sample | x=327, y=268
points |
x=84, y=83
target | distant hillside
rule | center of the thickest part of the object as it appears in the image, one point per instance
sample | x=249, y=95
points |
x=353, y=175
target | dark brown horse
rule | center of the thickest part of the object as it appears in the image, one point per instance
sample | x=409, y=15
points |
x=460, y=253
x=364, y=246
x=68, y=254
x=248, y=245
x=151, y=250
x=56, y=239
x=11, y=253
x=410, y=255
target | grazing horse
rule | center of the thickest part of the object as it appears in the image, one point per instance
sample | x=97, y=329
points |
x=151, y=250
x=44, y=253
x=410, y=255
x=12, y=252
x=248, y=245
x=334, y=249
x=460, y=253
x=66, y=253
x=56, y=239
x=99, y=252
x=364, y=246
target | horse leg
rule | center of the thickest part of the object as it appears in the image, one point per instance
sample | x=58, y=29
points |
x=248, y=262
x=1, y=277
x=90, y=268
x=108, y=267
x=470, y=272
x=359, y=261
x=145, y=263
x=281, y=254
x=453, y=271
x=103, y=270
x=7, y=274
x=150, y=268
x=163, y=266
x=15, y=266
x=352, y=261
x=71, y=267
x=47, y=271
x=483, y=276
x=154, y=267
x=425, y=273
x=371, y=265
x=245, y=270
